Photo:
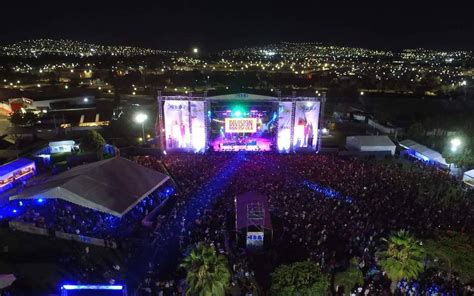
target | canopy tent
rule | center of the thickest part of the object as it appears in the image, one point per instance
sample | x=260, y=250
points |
x=6, y=280
x=241, y=209
x=6, y=170
x=371, y=144
x=423, y=152
x=112, y=186
x=468, y=178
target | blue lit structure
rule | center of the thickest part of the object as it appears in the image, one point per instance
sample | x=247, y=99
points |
x=69, y=290
x=423, y=153
x=16, y=171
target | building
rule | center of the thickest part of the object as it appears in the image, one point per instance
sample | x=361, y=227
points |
x=371, y=145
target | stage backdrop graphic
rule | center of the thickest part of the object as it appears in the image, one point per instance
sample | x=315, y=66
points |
x=198, y=128
x=284, y=126
x=177, y=124
x=241, y=125
x=306, y=125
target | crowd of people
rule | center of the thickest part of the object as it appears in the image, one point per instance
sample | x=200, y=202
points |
x=324, y=208
x=63, y=216
x=373, y=199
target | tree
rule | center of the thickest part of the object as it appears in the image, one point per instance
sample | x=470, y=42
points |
x=401, y=257
x=452, y=253
x=350, y=277
x=207, y=272
x=20, y=118
x=416, y=130
x=299, y=279
x=92, y=141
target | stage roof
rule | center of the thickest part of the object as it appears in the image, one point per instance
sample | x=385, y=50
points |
x=112, y=186
x=242, y=97
x=238, y=97
x=241, y=203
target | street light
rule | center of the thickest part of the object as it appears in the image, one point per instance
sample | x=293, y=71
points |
x=141, y=118
x=195, y=50
x=455, y=144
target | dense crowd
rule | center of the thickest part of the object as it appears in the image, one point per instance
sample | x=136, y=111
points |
x=325, y=208
x=63, y=216
x=309, y=219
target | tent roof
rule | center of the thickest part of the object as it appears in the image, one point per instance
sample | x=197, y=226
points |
x=469, y=173
x=112, y=186
x=373, y=140
x=245, y=199
x=6, y=280
x=14, y=165
x=430, y=153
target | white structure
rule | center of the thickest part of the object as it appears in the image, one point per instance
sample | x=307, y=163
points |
x=379, y=144
x=113, y=186
x=62, y=146
x=468, y=178
x=423, y=153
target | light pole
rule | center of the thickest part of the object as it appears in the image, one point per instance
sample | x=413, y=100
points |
x=141, y=118
x=456, y=143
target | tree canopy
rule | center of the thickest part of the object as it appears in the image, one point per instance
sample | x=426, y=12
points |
x=350, y=277
x=92, y=141
x=207, y=272
x=452, y=253
x=401, y=257
x=299, y=279
x=20, y=118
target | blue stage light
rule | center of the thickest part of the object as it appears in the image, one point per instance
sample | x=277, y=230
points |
x=92, y=287
x=40, y=200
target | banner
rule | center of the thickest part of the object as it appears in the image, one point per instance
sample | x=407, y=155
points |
x=241, y=125
x=306, y=125
x=198, y=127
x=284, y=126
x=86, y=239
x=255, y=239
x=28, y=227
x=177, y=132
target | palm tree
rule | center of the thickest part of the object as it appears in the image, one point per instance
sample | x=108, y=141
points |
x=207, y=272
x=401, y=257
x=350, y=277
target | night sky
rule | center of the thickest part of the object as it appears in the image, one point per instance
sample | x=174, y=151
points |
x=212, y=25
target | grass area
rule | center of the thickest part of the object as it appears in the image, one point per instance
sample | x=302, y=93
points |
x=61, y=157
x=42, y=263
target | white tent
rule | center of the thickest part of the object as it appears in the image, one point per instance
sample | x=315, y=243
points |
x=6, y=280
x=371, y=144
x=112, y=186
x=468, y=178
x=424, y=152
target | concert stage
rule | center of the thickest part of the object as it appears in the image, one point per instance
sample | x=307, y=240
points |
x=239, y=122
